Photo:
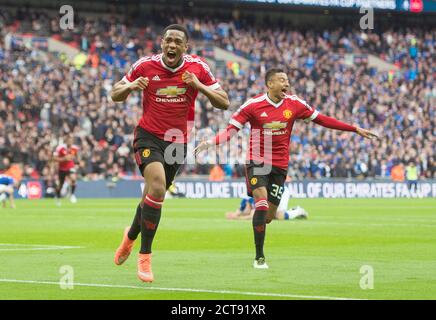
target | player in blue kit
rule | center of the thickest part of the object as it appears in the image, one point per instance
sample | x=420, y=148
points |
x=7, y=190
x=247, y=208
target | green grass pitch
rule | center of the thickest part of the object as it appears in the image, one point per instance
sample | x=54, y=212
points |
x=198, y=254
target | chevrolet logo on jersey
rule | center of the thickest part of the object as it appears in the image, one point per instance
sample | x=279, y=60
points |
x=171, y=91
x=275, y=125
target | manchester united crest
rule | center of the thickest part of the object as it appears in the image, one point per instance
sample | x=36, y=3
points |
x=287, y=114
x=146, y=153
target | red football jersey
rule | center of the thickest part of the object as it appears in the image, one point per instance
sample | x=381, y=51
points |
x=61, y=151
x=168, y=102
x=271, y=126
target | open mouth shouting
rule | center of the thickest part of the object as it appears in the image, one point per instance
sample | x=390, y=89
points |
x=172, y=57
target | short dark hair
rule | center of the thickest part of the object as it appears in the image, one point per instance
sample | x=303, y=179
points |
x=178, y=27
x=272, y=72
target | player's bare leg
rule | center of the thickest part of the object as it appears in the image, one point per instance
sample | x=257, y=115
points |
x=154, y=175
x=5, y=193
x=280, y=215
x=59, y=187
x=238, y=215
x=130, y=234
x=11, y=199
x=73, y=182
x=260, y=196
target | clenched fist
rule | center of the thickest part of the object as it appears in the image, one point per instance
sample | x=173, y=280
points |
x=191, y=79
x=139, y=84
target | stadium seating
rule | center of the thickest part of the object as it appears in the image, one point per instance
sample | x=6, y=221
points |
x=43, y=96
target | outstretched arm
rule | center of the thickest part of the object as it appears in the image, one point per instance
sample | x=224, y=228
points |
x=333, y=123
x=222, y=137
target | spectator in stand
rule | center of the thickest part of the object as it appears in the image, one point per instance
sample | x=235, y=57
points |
x=216, y=174
x=397, y=173
x=412, y=176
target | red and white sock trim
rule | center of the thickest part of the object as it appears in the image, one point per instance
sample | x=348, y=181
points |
x=153, y=202
x=262, y=204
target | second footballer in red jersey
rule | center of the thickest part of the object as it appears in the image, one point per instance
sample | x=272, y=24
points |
x=170, y=82
x=65, y=155
x=271, y=116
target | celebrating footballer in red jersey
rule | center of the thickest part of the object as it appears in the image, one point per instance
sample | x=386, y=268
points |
x=65, y=155
x=168, y=102
x=271, y=116
x=170, y=82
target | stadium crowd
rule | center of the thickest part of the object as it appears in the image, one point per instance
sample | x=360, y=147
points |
x=45, y=96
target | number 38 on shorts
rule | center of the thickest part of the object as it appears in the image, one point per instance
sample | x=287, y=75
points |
x=273, y=181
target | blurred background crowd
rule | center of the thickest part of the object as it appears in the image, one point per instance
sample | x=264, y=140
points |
x=44, y=96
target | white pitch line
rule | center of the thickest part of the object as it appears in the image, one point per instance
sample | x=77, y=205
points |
x=39, y=249
x=364, y=224
x=34, y=247
x=246, y=293
x=166, y=209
